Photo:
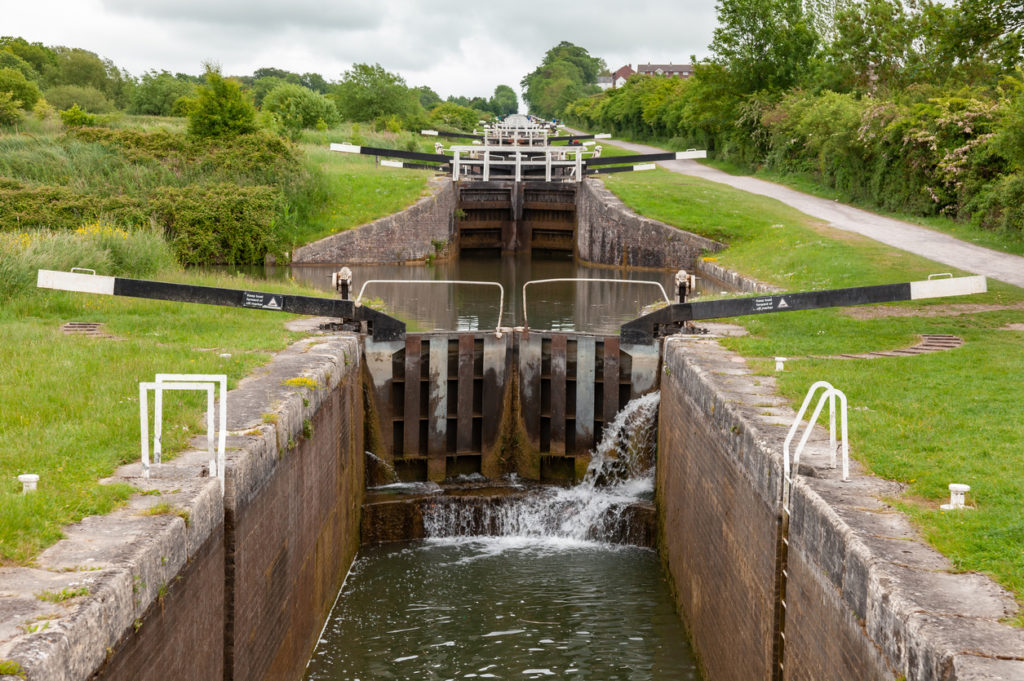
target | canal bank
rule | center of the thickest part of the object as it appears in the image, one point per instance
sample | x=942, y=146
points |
x=240, y=589
x=239, y=584
x=867, y=597
x=187, y=583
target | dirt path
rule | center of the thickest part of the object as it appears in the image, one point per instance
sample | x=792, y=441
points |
x=925, y=242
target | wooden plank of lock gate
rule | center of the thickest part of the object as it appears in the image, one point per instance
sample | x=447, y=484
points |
x=610, y=378
x=379, y=358
x=413, y=350
x=437, y=410
x=496, y=358
x=529, y=385
x=559, y=344
x=586, y=349
x=464, y=415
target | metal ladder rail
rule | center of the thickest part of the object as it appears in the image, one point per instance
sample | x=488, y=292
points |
x=789, y=472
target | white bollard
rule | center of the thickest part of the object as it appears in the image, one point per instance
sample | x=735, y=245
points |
x=957, y=494
x=780, y=363
x=28, y=482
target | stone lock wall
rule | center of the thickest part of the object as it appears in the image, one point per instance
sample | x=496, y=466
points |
x=609, y=233
x=210, y=586
x=866, y=597
x=407, y=235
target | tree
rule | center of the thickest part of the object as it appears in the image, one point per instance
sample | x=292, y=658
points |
x=41, y=58
x=566, y=73
x=156, y=93
x=884, y=44
x=988, y=30
x=10, y=109
x=296, y=107
x=504, y=101
x=367, y=93
x=452, y=115
x=220, y=108
x=315, y=82
x=9, y=60
x=763, y=43
x=428, y=98
x=22, y=90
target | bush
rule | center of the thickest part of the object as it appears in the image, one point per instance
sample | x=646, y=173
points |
x=220, y=109
x=61, y=207
x=296, y=108
x=85, y=97
x=76, y=118
x=22, y=90
x=218, y=224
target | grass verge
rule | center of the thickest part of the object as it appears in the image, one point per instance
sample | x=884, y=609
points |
x=69, y=410
x=926, y=420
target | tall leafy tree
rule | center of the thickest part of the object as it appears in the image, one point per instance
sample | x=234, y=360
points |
x=989, y=30
x=367, y=93
x=157, y=92
x=765, y=44
x=504, y=101
x=566, y=73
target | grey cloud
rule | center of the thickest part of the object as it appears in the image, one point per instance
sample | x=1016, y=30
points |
x=348, y=15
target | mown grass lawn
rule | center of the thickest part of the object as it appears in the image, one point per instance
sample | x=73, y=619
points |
x=69, y=410
x=927, y=420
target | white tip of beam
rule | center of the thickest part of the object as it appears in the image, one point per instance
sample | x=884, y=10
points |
x=74, y=281
x=603, y=136
x=392, y=164
x=691, y=153
x=645, y=166
x=432, y=133
x=936, y=288
x=346, y=148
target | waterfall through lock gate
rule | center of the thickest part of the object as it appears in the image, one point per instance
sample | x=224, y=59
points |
x=621, y=473
x=544, y=585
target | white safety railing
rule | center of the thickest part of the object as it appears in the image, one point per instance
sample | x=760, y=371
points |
x=526, y=323
x=485, y=158
x=830, y=395
x=200, y=382
x=501, y=291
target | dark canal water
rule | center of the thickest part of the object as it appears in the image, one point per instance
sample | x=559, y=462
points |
x=504, y=608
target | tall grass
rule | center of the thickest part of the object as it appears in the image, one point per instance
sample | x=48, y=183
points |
x=107, y=249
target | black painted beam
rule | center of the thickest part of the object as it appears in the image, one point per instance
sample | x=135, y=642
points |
x=643, y=330
x=391, y=153
x=384, y=326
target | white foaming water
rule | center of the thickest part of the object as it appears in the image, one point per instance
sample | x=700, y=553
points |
x=620, y=474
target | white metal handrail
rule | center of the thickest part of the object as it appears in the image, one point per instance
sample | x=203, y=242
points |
x=202, y=382
x=526, y=323
x=830, y=394
x=501, y=291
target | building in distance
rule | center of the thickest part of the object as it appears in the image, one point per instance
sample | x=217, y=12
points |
x=618, y=78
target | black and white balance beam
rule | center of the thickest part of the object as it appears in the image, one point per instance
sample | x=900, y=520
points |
x=384, y=326
x=644, y=329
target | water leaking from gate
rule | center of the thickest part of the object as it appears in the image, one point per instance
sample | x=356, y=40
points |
x=543, y=594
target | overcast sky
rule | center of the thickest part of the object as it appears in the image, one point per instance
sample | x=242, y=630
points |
x=460, y=47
